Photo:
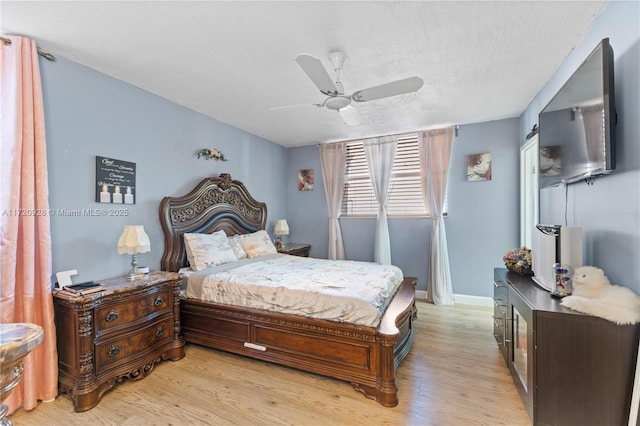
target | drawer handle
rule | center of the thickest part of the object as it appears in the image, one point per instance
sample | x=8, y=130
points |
x=159, y=331
x=112, y=316
x=113, y=351
x=159, y=301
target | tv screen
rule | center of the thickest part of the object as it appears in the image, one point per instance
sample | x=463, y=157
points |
x=577, y=127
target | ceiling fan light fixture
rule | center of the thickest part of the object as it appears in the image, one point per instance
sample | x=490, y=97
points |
x=337, y=60
x=337, y=102
x=351, y=116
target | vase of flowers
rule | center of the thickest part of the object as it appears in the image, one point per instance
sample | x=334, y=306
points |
x=518, y=261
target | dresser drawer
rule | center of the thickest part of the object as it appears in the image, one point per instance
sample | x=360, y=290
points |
x=499, y=320
x=133, y=309
x=135, y=343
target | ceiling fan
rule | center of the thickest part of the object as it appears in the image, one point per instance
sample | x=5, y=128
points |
x=337, y=100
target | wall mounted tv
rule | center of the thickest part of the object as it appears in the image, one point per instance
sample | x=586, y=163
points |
x=577, y=128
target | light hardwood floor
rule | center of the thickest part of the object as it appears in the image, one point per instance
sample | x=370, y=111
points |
x=454, y=375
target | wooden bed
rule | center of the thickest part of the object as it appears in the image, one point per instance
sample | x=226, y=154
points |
x=367, y=357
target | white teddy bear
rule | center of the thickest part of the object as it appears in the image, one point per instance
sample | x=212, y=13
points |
x=593, y=294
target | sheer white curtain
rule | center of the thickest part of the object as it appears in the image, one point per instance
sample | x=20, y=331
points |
x=332, y=160
x=380, y=153
x=435, y=153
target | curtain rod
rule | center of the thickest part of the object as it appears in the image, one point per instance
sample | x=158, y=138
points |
x=46, y=55
x=456, y=129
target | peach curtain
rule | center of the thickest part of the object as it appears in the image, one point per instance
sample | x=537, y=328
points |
x=25, y=237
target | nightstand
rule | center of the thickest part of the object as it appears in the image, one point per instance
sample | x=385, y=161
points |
x=122, y=332
x=295, y=249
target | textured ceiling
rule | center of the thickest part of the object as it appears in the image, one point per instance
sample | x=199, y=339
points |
x=234, y=61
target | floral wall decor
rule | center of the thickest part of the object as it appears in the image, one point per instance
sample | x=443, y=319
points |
x=211, y=154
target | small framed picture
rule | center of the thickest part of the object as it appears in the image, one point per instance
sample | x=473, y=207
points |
x=305, y=180
x=479, y=167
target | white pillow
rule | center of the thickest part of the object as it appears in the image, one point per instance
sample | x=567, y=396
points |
x=236, y=245
x=257, y=244
x=207, y=250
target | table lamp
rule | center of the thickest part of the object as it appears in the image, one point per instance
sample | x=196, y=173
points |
x=281, y=229
x=133, y=241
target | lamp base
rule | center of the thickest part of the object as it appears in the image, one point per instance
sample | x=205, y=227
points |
x=137, y=273
x=133, y=277
x=280, y=241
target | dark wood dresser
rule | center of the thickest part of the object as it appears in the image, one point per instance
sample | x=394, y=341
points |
x=569, y=368
x=122, y=332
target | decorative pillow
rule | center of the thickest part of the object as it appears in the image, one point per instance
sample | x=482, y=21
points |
x=207, y=250
x=236, y=245
x=257, y=244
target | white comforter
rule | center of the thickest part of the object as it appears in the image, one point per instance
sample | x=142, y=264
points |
x=345, y=291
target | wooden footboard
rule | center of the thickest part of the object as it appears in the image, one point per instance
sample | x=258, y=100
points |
x=364, y=356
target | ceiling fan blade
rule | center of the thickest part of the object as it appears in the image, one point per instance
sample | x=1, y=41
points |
x=317, y=73
x=400, y=87
x=351, y=116
x=317, y=105
x=289, y=106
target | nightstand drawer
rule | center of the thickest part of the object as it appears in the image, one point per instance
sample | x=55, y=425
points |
x=137, y=308
x=137, y=342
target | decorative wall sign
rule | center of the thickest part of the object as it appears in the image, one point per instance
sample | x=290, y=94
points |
x=305, y=180
x=479, y=167
x=115, y=181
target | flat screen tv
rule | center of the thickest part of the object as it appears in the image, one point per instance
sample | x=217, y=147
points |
x=577, y=127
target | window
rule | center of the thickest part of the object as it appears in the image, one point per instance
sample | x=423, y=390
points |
x=405, y=193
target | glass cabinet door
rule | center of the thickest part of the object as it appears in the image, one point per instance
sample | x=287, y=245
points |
x=520, y=346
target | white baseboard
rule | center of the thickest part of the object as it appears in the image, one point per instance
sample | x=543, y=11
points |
x=462, y=299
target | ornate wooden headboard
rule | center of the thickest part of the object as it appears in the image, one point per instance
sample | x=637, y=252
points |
x=215, y=203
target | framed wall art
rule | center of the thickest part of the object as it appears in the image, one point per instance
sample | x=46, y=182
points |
x=115, y=181
x=479, y=167
x=305, y=180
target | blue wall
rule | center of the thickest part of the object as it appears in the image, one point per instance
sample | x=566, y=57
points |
x=481, y=225
x=90, y=114
x=608, y=211
x=483, y=218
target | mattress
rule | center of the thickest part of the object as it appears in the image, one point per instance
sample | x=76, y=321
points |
x=336, y=290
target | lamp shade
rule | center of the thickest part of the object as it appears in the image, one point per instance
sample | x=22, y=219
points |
x=133, y=240
x=281, y=227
